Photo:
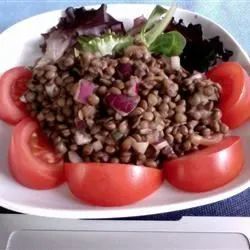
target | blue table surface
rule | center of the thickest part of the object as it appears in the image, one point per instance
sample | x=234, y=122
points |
x=233, y=15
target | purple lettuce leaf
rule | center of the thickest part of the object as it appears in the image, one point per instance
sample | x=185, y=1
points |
x=74, y=23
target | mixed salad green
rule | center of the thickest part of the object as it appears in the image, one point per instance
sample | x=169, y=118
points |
x=98, y=32
x=169, y=44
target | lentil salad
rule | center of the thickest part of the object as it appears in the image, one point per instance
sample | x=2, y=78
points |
x=176, y=111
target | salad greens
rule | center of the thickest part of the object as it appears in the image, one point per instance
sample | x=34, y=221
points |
x=156, y=24
x=106, y=44
x=97, y=31
x=169, y=44
x=77, y=22
x=199, y=53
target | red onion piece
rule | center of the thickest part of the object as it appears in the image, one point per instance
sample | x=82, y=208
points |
x=146, y=131
x=51, y=89
x=22, y=99
x=160, y=145
x=84, y=90
x=74, y=157
x=211, y=140
x=97, y=145
x=153, y=136
x=134, y=89
x=82, y=138
x=124, y=70
x=140, y=147
x=80, y=124
x=123, y=104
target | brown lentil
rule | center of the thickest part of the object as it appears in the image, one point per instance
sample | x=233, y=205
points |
x=151, y=163
x=87, y=149
x=110, y=125
x=110, y=149
x=180, y=118
x=152, y=99
x=114, y=160
x=93, y=99
x=127, y=143
x=149, y=116
x=102, y=90
x=125, y=157
x=123, y=127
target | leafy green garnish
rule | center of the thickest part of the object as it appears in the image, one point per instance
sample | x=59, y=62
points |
x=152, y=35
x=169, y=44
x=156, y=24
x=106, y=44
x=127, y=41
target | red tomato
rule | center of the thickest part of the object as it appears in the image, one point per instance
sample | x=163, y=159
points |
x=13, y=84
x=32, y=160
x=107, y=184
x=207, y=169
x=235, y=97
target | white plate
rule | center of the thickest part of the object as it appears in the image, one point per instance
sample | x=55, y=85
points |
x=19, y=45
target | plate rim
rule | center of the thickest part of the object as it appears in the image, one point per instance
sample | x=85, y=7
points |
x=123, y=211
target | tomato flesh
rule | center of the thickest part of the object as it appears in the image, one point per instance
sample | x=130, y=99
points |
x=235, y=97
x=32, y=160
x=207, y=169
x=42, y=149
x=107, y=184
x=13, y=84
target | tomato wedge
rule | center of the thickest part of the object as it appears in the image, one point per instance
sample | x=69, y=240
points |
x=13, y=84
x=107, y=184
x=207, y=169
x=32, y=160
x=235, y=97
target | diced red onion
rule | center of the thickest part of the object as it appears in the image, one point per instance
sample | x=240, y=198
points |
x=160, y=145
x=61, y=148
x=200, y=140
x=97, y=146
x=22, y=99
x=124, y=70
x=105, y=157
x=195, y=76
x=84, y=90
x=80, y=124
x=74, y=157
x=82, y=138
x=145, y=131
x=153, y=137
x=140, y=147
x=50, y=89
x=99, y=137
x=133, y=90
x=123, y=104
x=89, y=122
